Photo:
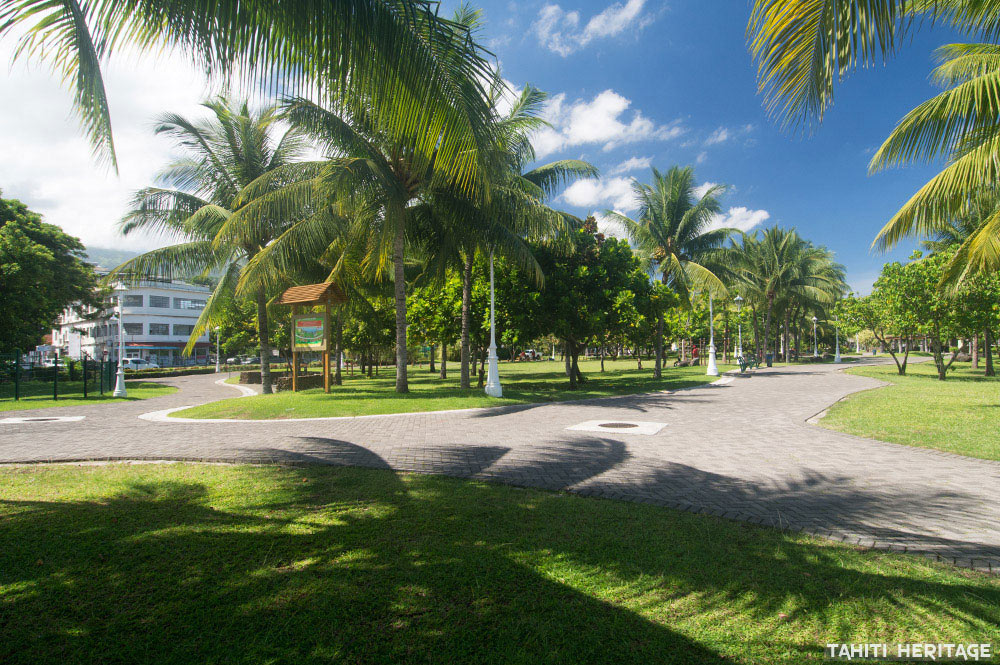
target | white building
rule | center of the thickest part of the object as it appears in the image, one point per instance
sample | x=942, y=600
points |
x=159, y=317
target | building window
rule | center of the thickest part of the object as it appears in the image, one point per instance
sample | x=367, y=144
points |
x=133, y=328
x=183, y=330
x=133, y=301
x=187, y=303
x=159, y=329
x=159, y=301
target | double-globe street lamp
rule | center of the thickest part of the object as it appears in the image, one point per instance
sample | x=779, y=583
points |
x=493, y=388
x=815, y=347
x=713, y=368
x=120, y=390
x=218, y=352
x=739, y=326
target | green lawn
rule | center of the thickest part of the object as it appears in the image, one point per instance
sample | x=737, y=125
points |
x=39, y=395
x=960, y=415
x=523, y=383
x=183, y=563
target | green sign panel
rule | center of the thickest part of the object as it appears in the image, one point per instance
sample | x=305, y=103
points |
x=309, y=332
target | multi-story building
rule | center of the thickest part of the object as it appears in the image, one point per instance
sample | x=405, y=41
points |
x=158, y=317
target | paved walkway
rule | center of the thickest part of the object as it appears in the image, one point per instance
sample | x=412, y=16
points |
x=743, y=451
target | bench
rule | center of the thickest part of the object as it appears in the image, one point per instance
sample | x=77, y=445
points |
x=747, y=363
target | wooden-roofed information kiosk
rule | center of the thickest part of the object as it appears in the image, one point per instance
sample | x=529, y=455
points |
x=311, y=329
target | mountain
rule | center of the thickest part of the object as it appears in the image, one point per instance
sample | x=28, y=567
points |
x=105, y=257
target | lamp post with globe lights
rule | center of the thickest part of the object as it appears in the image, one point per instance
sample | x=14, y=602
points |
x=836, y=323
x=739, y=326
x=815, y=346
x=713, y=368
x=120, y=390
x=493, y=388
x=218, y=351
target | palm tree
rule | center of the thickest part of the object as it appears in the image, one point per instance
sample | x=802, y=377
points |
x=411, y=70
x=206, y=190
x=802, y=46
x=674, y=236
x=516, y=209
x=778, y=271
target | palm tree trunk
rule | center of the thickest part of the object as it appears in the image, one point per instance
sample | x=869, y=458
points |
x=767, y=322
x=988, y=343
x=338, y=378
x=444, y=360
x=787, y=339
x=466, y=316
x=399, y=285
x=265, y=345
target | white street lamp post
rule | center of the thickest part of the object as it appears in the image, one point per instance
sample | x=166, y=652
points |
x=836, y=322
x=120, y=390
x=815, y=347
x=713, y=368
x=739, y=326
x=218, y=351
x=493, y=388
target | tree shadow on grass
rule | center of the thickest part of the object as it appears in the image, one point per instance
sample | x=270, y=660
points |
x=320, y=565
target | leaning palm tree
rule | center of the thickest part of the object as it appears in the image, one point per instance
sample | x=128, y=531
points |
x=803, y=46
x=201, y=202
x=412, y=70
x=674, y=235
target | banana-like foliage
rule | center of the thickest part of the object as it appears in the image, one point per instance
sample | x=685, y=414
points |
x=417, y=73
x=672, y=232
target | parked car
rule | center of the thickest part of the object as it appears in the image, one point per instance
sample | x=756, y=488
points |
x=139, y=363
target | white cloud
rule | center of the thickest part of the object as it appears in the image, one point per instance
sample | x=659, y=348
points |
x=607, y=192
x=702, y=157
x=703, y=188
x=559, y=30
x=740, y=218
x=598, y=121
x=610, y=227
x=721, y=135
x=631, y=164
x=47, y=162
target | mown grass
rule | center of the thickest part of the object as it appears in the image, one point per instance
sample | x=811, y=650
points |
x=38, y=395
x=523, y=383
x=960, y=415
x=188, y=563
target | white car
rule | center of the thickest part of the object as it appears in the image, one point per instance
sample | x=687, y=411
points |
x=139, y=363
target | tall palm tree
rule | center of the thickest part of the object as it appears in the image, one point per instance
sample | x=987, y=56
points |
x=515, y=210
x=778, y=271
x=413, y=71
x=205, y=191
x=674, y=236
x=803, y=46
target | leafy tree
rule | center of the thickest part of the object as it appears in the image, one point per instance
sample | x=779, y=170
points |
x=435, y=316
x=42, y=271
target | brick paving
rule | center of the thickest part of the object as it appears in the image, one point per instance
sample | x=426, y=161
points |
x=741, y=451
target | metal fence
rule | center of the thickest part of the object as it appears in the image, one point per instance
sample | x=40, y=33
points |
x=64, y=378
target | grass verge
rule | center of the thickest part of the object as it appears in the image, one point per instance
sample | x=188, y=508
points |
x=182, y=563
x=71, y=394
x=523, y=383
x=959, y=415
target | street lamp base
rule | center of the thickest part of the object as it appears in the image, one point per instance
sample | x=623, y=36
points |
x=120, y=384
x=493, y=387
x=713, y=368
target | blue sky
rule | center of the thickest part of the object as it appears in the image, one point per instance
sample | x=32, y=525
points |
x=632, y=82
x=685, y=71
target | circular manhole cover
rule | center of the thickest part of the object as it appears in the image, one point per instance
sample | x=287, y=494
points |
x=618, y=425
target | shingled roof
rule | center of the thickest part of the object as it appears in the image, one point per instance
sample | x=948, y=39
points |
x=313, y=294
